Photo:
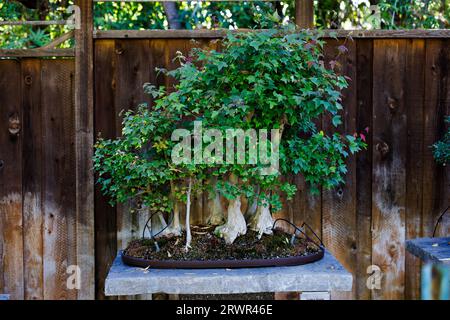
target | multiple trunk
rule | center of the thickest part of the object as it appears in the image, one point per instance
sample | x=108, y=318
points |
x=258, y=216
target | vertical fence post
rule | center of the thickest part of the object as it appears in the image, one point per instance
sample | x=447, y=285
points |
x=84, y=131
x=304, y=13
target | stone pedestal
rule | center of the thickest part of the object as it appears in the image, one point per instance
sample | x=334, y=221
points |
x=325, y=275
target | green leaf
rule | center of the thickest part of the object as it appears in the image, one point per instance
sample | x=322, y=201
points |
x=336, y=120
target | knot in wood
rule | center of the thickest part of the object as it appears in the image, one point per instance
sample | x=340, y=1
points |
x=393, y=250
x=392, y=103
x=28, y=80
x=382, y=147
x=14, y=125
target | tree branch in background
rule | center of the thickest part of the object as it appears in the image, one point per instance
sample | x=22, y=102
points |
x=279, y=9
x=42, y=7
x=172, y=15
x=30, y=4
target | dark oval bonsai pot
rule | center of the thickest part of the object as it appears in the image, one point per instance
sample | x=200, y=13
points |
x=207, y=264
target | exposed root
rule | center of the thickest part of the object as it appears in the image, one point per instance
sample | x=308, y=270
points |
x=262, y=221
x=235, y=225
x=174, y=229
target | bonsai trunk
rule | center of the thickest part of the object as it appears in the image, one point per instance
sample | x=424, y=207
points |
x=188, y=216
x=235, y=225
x=253, y=206
x=262, y=221
x=174, y=230
x=216, y=217
x=157, y=224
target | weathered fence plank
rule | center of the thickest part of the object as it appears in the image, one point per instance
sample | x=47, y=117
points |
x=58, y=177
x=32, y=176
x=389, y=163
x=364, y=82
x=84, y=140
x=436, y=191
x=105, y=124
x=11, y=227
x=414, y=96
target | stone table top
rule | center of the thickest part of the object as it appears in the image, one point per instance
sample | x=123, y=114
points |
x=326, y=274
x=430, y=249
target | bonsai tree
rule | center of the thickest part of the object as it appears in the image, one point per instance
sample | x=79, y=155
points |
x=272, y=79
x=259, y=82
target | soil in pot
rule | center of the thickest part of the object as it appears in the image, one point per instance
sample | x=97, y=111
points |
x=207, y=246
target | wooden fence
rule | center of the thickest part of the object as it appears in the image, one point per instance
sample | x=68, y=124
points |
x=394, y=191
x=400, y=90
x=37, y=178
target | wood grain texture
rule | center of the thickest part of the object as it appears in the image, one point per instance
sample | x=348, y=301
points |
x=58, y=178
x=84, y=142
x=33, y=234
x=11, y=227
x=36, y=53
x=364, y=117
x=307, y=207
x=436, y=191
x=389, y=166
x=105, y=125
x=414, y=100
